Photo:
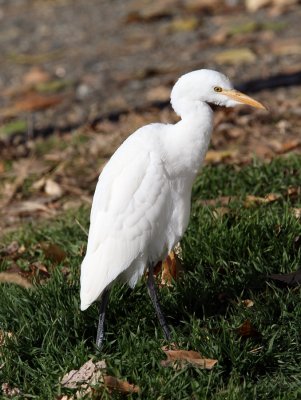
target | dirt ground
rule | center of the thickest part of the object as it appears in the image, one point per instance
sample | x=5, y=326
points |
x=77, y=77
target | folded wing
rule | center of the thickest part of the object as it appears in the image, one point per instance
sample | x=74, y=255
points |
x=129, y=215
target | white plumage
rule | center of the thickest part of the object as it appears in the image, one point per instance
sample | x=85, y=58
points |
x=141, y=205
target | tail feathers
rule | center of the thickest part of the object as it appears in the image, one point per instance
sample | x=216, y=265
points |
x=93, y=280
x=100, y=269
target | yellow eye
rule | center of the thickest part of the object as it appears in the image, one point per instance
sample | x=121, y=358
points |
x=218, y=89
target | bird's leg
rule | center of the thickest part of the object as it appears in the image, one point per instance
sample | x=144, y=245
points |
x=101, y=321
x=154, y=297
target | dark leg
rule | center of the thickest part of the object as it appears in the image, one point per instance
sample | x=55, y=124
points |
x=101, y=321
x=154, y=297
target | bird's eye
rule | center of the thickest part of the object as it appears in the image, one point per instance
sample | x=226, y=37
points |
x=218, y=89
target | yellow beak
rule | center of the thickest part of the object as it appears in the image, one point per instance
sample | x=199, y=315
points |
x=242, y=98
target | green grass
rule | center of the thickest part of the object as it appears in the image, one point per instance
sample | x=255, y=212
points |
x=226, y=258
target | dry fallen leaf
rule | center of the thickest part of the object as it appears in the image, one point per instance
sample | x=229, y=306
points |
x=75, y=378
x=171, y=268
x=31, y=102
x=247, y=330
x=248, y=303
x=36, y=271
x=16, y=278
x=53, y=252
x=180, y=358
x=121, y=386
x=35, y=75
x=91, y=374
x=289, y=146
x=252, y=200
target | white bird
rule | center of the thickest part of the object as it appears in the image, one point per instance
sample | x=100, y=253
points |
x=141, y=205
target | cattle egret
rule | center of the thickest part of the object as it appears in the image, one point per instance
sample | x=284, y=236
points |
x=141, y=204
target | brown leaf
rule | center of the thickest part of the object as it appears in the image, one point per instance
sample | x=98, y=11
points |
x=16, y=278
x=180, y=358
x=247, y=330
x=53, y=252
x=121, y=386
x=35, y=75
x=288, y=146
x=31, y=102
x=252, y=200
x=37, y=269
x=248, y=303
x=171, y=268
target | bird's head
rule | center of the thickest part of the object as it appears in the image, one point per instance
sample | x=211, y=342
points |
x=208, y=86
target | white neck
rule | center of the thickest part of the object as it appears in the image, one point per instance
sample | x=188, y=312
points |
x=190, y=138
